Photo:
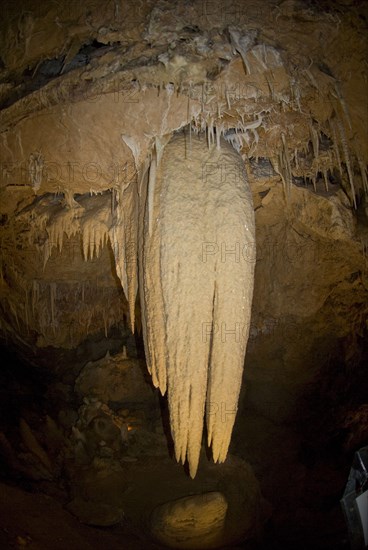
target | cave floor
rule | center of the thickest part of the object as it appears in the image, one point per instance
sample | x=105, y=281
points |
x=39, y=522
x=301, y=478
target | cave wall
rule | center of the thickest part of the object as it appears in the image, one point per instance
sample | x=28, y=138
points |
x=86, y=96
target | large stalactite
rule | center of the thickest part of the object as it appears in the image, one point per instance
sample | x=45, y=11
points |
x=197, y=273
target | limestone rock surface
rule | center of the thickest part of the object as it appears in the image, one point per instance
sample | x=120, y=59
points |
x=191, y=522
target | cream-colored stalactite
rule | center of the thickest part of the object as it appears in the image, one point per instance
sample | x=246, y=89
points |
x=98, y=222
x=123, y=237
x=197, y=270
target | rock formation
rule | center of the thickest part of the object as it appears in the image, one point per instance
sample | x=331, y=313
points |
x=197, y=274
x=96, y=103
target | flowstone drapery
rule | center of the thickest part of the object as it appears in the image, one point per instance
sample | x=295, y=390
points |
x=197, y=273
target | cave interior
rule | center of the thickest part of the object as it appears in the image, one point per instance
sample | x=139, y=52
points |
x=183, y=193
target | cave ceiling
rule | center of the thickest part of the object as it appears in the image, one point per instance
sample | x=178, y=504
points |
x=89, y=92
